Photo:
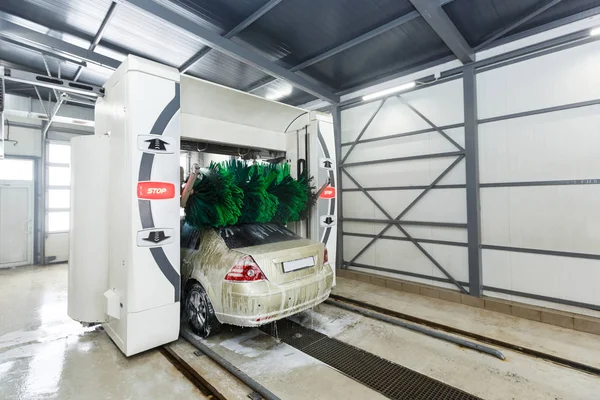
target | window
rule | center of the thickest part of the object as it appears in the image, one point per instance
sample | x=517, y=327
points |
x=183, y=162
x=58, y=221
x=59, y=176
x=12, y=169
x=59, y=198
x=58, y=194
x=247, y=235
x=59, y=153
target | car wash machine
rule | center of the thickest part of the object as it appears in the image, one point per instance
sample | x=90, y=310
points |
x=125, y=218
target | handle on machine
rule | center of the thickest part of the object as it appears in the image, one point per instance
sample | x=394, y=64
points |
x=301, y=166
x=189, y=185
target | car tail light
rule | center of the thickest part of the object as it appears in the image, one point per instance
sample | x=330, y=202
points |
x=245, y=270
x=325, y=257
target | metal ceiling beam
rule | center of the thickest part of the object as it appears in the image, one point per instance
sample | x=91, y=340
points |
x=28, y=36
x=99, y=34
x=347, y=45
x=436, y=17
x=547, y=46
x=344, y=46
x=237, y=29
x=550, y=25
x=538, y=9
x=235, y=50
x=357, y=40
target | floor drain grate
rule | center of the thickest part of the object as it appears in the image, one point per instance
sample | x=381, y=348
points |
x=390, y=379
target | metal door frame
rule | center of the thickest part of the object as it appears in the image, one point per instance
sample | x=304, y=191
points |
x=30, y=186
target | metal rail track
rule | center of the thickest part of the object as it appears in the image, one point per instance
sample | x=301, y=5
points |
x=335, y=300
x=196, y=379
x=232, y=369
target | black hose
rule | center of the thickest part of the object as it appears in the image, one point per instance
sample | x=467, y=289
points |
x=251, y=383
x=418, y=328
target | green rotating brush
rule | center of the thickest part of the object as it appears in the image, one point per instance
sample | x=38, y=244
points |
x=258, y=204
x=234, y=192
x=216, y=201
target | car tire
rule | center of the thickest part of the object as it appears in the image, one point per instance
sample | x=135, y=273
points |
x=199, y=312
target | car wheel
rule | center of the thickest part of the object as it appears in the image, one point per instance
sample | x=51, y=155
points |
x=199, y=312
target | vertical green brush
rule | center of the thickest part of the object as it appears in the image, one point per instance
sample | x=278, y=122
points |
x=216, y=201
x=234, y=192
x=258, y=204
x=310, y=194
x=292, y=198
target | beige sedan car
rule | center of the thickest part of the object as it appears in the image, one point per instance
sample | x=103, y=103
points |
x=249, y=275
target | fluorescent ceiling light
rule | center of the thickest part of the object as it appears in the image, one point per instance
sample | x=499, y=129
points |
x=279, y=93
x=385, y=92
x=595, y=31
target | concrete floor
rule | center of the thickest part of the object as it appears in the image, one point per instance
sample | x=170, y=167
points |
x=46, y=355
x=43, y=354
x=550, y=339
x=285, y=371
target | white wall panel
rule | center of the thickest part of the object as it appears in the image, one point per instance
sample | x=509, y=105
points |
x=456, y=176
x=354, y=120
x=551, y=146
x=402, y=173
x=439, y=142
x=496, y=271
x=438, y=233
x=442, y=104
x=357, y=205
x=444, y=205
x=495, y=216
x=346, y=182
x=439, y=104
x=394, y=117
x=369, y=228
x=402, y=256
x=354, y=244
x=29, y=141
x=563, y=218
x=559, y=78
x=454, y=259
x=562, y=145
x=395, y=201
x=426, y=143
x=558, y=277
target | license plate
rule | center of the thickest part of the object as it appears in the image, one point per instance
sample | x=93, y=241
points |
x=289, y=266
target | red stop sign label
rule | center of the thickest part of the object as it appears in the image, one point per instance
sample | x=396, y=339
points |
x=328, y=193
x=155, y=190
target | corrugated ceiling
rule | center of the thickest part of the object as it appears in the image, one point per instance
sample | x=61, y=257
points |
x=290, y=33
x=486, y=17
x=297, y=30
x=222, y=69
x=403, y=47
x=559, y=11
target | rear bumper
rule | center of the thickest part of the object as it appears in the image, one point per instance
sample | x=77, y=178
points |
x=257, y=303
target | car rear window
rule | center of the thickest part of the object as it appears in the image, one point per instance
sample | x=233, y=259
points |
x=247, y=235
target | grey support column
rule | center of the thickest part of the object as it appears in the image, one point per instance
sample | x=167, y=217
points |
x=472, y=180
x=337, y=135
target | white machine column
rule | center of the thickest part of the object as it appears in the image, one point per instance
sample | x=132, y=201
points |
x=140, y=112
x=88, y=241
x=321, y=165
